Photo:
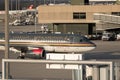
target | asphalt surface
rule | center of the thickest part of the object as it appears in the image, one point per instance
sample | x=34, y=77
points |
x=108, y=50
x=26, y=28
x=105, y=50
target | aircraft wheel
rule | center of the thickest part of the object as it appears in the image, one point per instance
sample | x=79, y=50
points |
x=21, y=57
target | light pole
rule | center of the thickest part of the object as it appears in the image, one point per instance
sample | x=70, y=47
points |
x=16, y=5
x=11, y=5
x=35, y=22
x=7, y=36
x=35, y=16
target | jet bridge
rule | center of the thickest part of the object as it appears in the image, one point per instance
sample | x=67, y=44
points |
x=106, y=21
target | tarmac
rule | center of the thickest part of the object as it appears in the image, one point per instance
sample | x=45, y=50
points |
x=105, y=51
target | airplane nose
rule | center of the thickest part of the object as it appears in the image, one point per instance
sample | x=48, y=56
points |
x=94, y=44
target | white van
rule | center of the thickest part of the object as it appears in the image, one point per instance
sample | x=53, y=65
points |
x=108, y=37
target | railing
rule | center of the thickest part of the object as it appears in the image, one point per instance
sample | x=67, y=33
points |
x=95, y=63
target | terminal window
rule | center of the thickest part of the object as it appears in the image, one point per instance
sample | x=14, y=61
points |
x=116, y=13
x=79, y=15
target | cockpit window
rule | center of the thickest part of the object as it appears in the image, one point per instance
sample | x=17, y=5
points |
x=84, y=39
x=78, y=39
x=81, y=40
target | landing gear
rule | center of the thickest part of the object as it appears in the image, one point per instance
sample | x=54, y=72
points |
x=21, y=56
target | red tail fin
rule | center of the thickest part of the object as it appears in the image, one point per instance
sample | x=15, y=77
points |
x=30, y=7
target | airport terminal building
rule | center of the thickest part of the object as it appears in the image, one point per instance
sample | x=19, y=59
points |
x=76, y=18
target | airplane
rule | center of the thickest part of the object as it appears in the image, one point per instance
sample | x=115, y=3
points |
x=36, y=45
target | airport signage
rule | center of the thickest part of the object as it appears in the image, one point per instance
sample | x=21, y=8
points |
x=64, y=57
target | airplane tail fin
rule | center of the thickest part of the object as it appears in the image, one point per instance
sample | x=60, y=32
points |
x=30, y=7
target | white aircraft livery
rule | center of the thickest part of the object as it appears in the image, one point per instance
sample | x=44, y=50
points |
x=37, y=45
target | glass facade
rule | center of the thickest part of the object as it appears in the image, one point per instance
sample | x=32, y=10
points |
x=79, y=2
x=74, y=28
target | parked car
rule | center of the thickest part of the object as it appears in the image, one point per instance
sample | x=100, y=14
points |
x=118, y=36
x=94, y=36
x=108, y=37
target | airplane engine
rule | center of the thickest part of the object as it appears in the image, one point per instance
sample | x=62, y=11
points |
x=38, y=53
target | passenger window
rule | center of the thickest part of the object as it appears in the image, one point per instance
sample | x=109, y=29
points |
x=76, y=39
x=81, y=40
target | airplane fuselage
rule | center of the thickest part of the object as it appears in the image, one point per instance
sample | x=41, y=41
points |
x=51, y=42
